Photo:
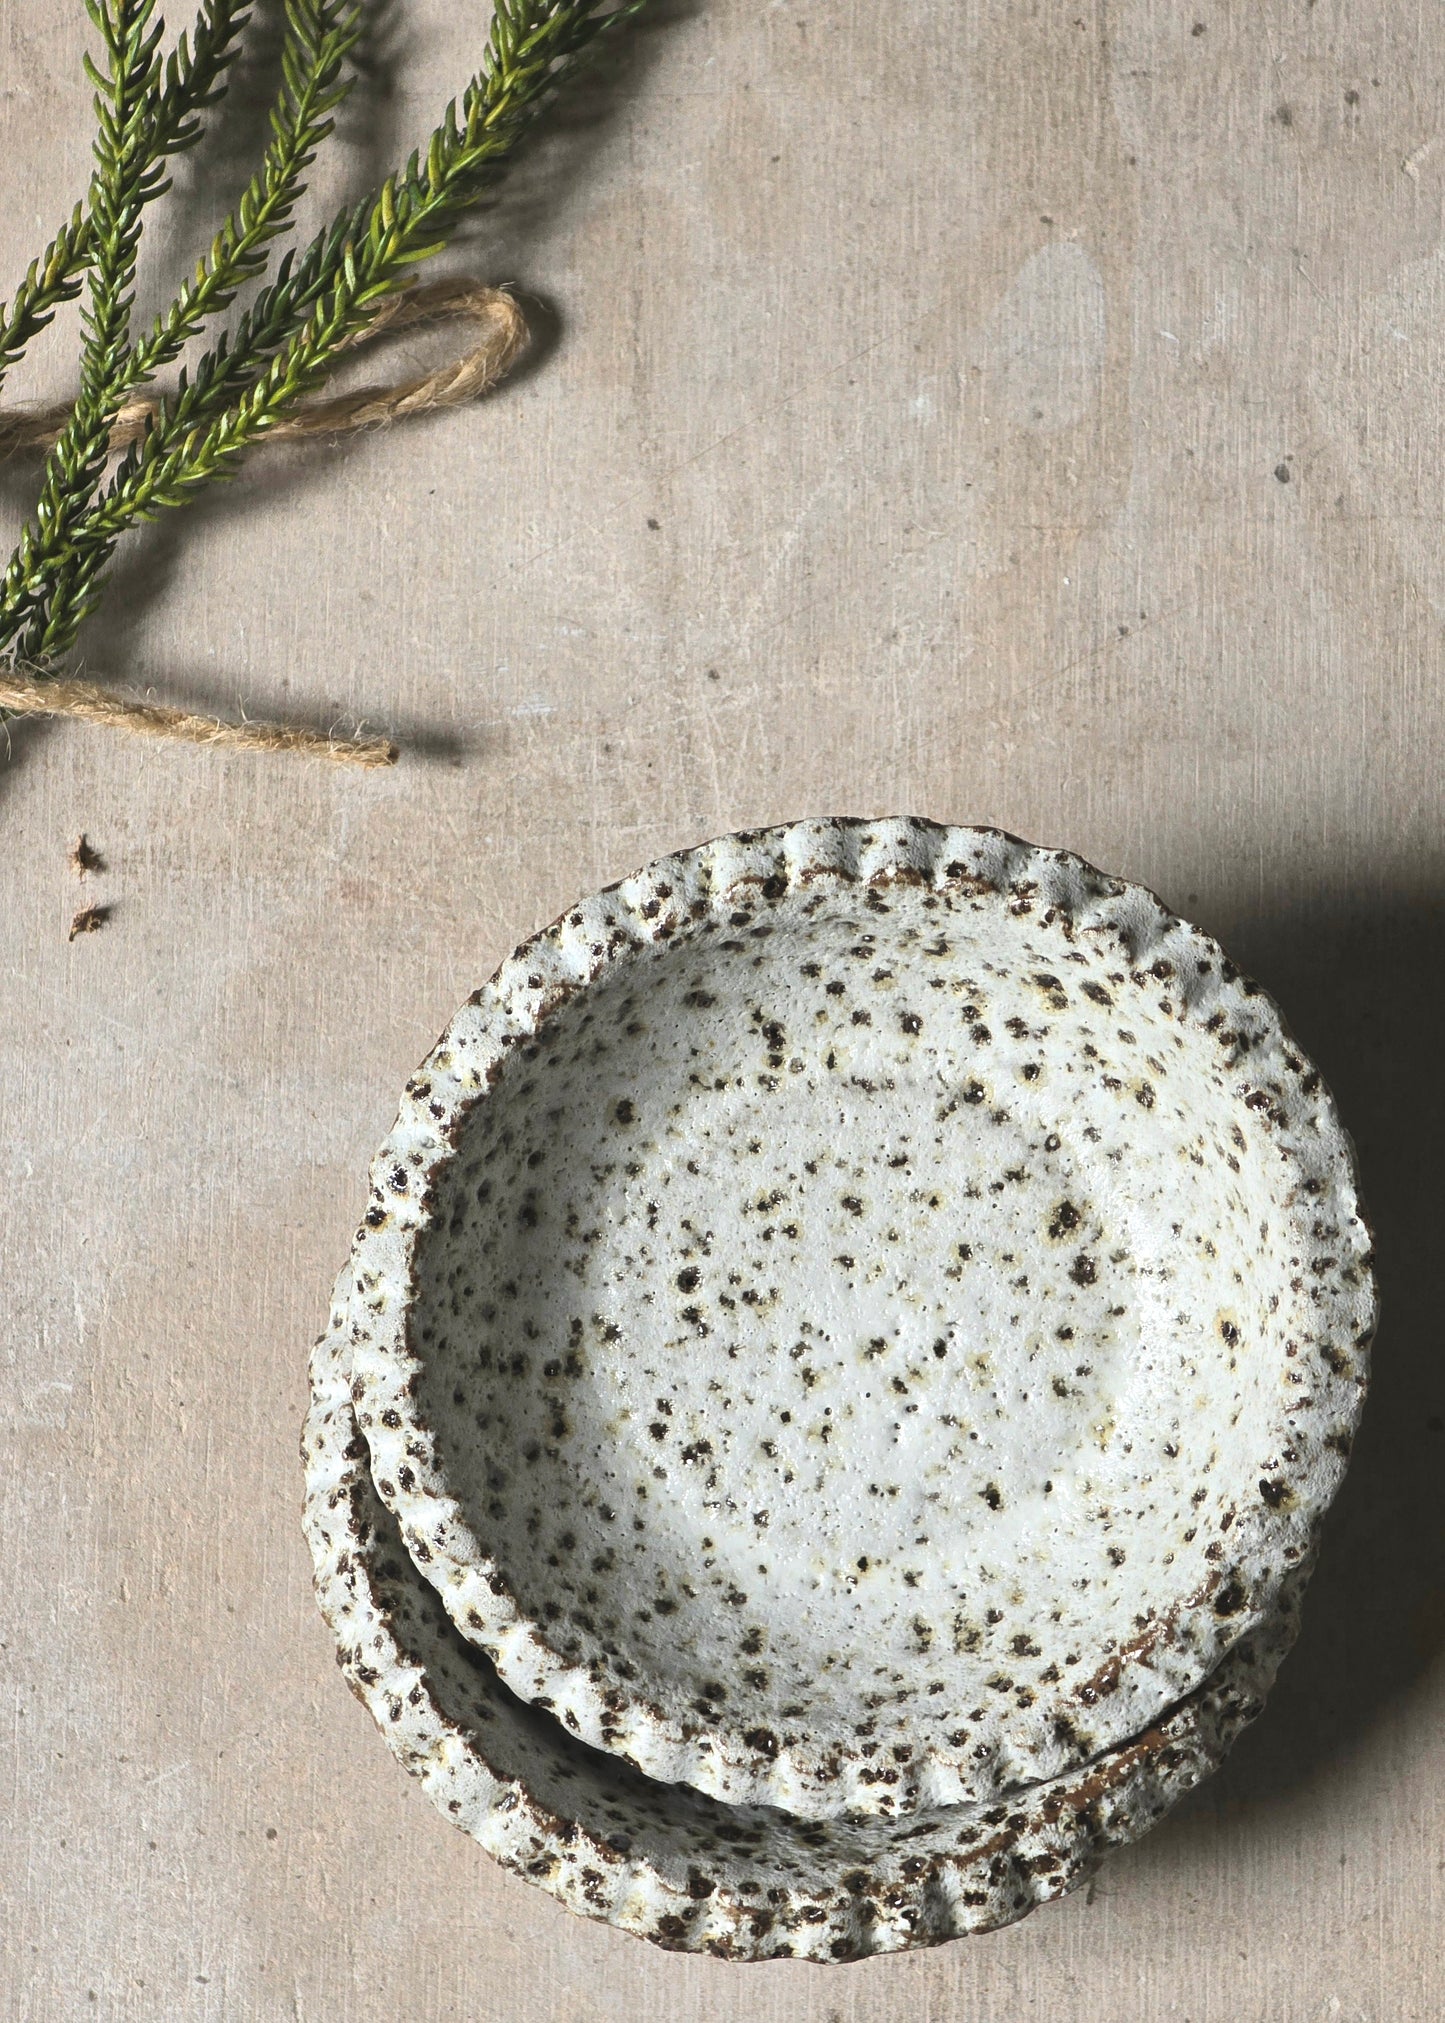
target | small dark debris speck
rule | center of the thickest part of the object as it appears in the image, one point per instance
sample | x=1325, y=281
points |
x=88, y=920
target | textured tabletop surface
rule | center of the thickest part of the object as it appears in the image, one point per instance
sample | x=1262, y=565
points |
x=1008, y=411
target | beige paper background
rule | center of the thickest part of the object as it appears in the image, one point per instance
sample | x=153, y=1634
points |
x=1006, y=411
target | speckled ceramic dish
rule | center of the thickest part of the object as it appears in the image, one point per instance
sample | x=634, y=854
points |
x=861, y=1317
x=689, y=1872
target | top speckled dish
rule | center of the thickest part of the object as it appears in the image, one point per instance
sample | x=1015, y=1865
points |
x=861, y=1316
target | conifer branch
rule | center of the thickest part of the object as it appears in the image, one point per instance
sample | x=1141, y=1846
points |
x=194, y=81
x=319, y=300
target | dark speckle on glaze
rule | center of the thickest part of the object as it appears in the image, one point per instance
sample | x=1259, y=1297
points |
x=900, y=1251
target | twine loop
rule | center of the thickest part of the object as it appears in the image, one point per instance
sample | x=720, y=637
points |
x=29, y=690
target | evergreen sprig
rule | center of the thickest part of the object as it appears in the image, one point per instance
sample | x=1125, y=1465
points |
x=129, y=174
x=194, y=80
x=320, y=298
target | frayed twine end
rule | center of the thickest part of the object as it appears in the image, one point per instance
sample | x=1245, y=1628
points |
x=33, y=692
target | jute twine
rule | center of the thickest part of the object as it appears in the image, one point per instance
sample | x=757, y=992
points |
x=28, y=690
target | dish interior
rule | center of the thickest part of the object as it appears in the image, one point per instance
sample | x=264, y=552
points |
x=846, y=1326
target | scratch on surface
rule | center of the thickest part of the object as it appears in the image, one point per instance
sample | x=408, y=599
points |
x=164, y=1776
x=779, y=555
x=1116, y=641
x=15, y=1752
x=38, y=1407
x=1302, y=269
x=1412, y=163
x=778, y=406
x=1274, y=56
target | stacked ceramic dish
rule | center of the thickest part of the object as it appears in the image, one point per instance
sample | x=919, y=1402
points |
x=825, y=1425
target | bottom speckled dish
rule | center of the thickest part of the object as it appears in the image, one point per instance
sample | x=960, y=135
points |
x=665, y=1862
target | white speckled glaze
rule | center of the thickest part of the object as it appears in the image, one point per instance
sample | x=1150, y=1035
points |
x=862, y=1316
x=661, y=1861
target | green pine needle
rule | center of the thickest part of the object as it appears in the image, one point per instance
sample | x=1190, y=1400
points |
x=129, y=175
x=194, y=78
x=317, y=302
